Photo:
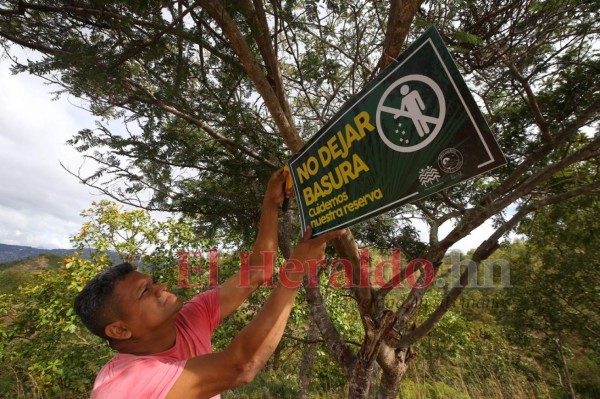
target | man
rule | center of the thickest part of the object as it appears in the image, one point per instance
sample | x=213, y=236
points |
x=164, y=346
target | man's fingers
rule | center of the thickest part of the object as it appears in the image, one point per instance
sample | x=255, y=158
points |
x=307, y=234
x=279, y=176
x=282, y=175
x=322, y=239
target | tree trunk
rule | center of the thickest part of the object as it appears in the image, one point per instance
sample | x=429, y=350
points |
x=394, y=364
x=400, y=19
x=390, y=383
x=374, y=378
x=285, y=234
x=359, y=382
x=308, y=358
x=277, y=357
x=375, y=333
x=563, y=359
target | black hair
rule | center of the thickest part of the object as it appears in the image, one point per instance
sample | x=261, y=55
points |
x=91, y=303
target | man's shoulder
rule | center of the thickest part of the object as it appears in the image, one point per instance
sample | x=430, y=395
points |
x=201, y=315
x=123, y=361
x=205, y=296
x=205, y=302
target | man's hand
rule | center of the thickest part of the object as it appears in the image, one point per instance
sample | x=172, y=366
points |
x=314, y=248
x=275, y=188
x=308, y=251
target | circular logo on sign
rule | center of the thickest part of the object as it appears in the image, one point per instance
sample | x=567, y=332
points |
x=450, y=160
x=410, y=113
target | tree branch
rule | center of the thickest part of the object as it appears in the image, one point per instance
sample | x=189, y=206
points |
x=260, y=31
x=345, y=247
x=227, y=143
x=533, y=103
x=344, y=355
x=156, y=37
x=569, y=129
x=399, y=22
x=286, y=129
x=474, y=217
x=591, y=150
x=483, y=252
x=35, y=46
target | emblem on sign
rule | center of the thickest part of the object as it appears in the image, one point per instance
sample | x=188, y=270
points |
x=428, y=175
x=450, y=160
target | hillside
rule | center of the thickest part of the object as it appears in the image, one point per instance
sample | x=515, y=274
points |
x=17, y=272
x=33, y=264
x=19, y=264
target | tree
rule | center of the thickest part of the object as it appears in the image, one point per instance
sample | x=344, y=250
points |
x=560, y=259
x=223, y=92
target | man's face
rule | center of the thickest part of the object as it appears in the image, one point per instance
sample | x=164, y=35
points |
x=144, y=305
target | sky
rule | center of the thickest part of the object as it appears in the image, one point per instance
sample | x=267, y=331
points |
x=40, y=202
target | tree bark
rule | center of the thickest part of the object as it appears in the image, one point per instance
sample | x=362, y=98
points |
x=375, y=333
x=308, y=358
x=286, y=128
x=344, y=356
x=285, y=234
x=402, y=13
x=394, y=364
x=346, y=248
x=567, y=374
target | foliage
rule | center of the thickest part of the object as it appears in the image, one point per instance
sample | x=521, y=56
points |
x=45, y=348
x=10, y=279
x=44, y=345
x=472, y=353
x=218, y=94
x=560, y=323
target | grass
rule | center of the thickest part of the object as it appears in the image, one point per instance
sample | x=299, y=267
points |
x=416, y=385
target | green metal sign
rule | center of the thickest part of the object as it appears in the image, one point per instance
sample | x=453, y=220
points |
x=412, y=131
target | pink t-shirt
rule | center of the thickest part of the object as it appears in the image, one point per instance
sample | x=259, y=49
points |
x=129, y=376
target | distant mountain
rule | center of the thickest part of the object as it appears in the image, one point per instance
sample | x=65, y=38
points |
x=10, y=253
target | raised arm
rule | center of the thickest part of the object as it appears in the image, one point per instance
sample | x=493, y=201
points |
x=236, y=289
x=209, y=375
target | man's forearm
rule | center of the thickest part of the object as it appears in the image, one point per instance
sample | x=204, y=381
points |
x=207, y=375
x=266, y=243
x=255, y=344
x=257, y=266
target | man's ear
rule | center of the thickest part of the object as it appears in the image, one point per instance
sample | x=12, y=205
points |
x=117, y=330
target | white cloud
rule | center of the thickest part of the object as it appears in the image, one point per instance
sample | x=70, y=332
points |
x=39, y=201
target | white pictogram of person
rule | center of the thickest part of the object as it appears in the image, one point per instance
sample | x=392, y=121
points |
x=412, y=106
x=418, y=104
